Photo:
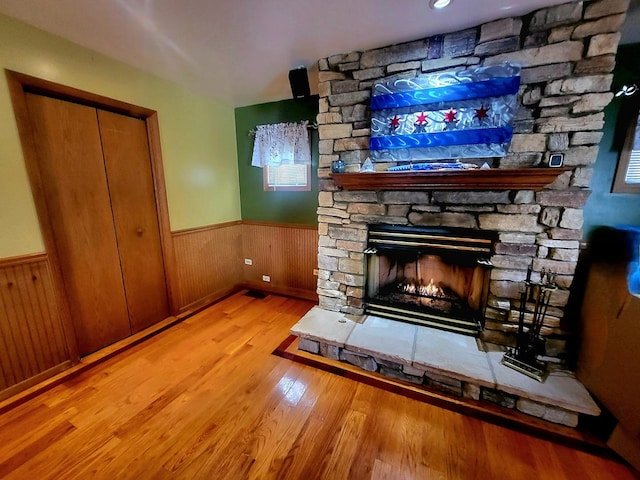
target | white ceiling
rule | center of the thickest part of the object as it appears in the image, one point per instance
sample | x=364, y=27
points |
x=240, y=51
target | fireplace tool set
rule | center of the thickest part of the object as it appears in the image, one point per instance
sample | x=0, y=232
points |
x=530, y=344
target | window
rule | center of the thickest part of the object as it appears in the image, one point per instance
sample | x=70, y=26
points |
x=627, y=178
x=283, y=152
x=287, y=177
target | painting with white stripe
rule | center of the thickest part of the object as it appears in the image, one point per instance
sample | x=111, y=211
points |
x=446, y=116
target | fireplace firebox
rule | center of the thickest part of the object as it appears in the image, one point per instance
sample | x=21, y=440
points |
x=433, y=276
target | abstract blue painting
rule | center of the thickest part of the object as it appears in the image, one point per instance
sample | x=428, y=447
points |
x=450, y=115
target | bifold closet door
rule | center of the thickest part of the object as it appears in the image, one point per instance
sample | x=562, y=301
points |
x=128, y=165
x=74, y=182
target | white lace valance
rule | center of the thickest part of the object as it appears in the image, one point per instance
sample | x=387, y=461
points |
x=281, y=143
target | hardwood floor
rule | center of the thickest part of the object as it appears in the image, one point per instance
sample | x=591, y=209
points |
x=205, y=399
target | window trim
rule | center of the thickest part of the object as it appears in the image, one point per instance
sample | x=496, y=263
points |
x=619, y=183
x=285, y=188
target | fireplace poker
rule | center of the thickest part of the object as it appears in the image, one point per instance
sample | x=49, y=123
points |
x=523, y=301
x=536, y=316
x=547, y=292
x=523, y=305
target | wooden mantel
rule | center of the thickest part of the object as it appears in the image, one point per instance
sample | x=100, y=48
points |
x=490, y=179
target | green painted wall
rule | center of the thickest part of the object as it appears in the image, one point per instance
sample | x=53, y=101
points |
x=281, y=207
x=197, y=134
x=605, y=208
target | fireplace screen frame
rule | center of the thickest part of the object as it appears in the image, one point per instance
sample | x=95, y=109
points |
x=463, y=250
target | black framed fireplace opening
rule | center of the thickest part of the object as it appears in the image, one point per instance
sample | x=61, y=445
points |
x=433, y=276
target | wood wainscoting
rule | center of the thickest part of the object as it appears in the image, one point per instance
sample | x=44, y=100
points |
x=208, y=263
x=210, y=260
x=287, y=253
x=32, y=337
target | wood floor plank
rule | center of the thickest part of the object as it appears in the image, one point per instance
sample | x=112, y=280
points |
x=39, y=441
x=69, y=463
x=384, y=471
x=346, y=449
x=314, y=443
x=206, y=399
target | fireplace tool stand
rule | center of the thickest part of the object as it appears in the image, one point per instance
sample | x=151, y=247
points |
x=530, y=344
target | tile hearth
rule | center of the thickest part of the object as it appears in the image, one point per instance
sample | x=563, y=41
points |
x=445, y=361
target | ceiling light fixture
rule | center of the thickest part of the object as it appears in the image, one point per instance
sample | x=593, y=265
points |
x=439, y=4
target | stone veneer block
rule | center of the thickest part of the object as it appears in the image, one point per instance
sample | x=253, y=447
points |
x=548, y=412
x=570, y=51
x=311, y=346
x=383, y=338
x=500, y=29
x=453, y=355
x=324, y=326
x=561, y=390
x=469, y=390
x=605, y=7
x=404, y=52
x=546, y=18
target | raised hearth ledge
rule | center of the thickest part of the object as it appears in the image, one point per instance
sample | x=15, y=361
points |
x=442, y=360
x=477, y=179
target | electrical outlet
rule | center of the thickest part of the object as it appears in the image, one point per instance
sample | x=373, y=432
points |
x=266, y=278
x=248, y=261
x=315, y=272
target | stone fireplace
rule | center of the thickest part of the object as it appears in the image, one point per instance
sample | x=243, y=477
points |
x=433, y=276
x=567, y=54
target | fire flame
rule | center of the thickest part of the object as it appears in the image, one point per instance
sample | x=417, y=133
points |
x=430, y=290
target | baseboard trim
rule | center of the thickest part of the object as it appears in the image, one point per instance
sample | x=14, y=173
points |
x=284, y=291
x=210, y=299
x=40, y=378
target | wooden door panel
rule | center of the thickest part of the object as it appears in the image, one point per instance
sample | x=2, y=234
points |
x=75, y=188
x=128, y=165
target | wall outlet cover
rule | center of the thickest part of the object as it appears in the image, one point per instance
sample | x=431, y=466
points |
x=266, y=278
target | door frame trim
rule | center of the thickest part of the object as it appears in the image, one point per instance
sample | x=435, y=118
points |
x=19, y=84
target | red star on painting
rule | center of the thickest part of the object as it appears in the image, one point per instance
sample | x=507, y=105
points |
x=481, y=113
x=394, y=123
x=450, y=116
x=421, y=119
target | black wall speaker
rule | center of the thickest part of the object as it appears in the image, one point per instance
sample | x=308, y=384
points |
x=299, y=82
